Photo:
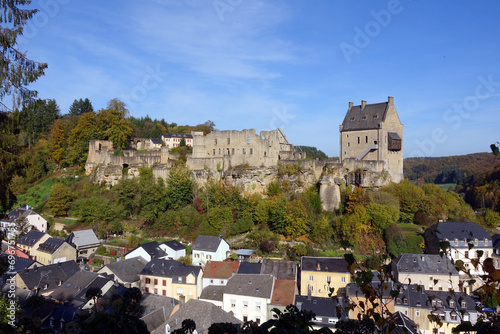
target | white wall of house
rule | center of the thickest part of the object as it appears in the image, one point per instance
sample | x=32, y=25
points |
x=175, y=255
x=246, y=308
x=37, y=221
x=207, y=281
x=219, y=255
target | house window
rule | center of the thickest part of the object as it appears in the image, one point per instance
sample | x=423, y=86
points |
x=398, y=300
x=257, y=306
x=342, y=279
x=328, y=279
x=233, y=303
x=311, y=278
x=454, y=316
x=257, y=320
x=452, y=303
x=164, y=282
x=440, y=287
x=476, y=242
x=155, y=281
x=456, y=242
x=211, y=281
x=213, y=151
x=466, y=317
x=366, y=139
x=156, y=291
x=190, y=292
x=179, y=279
x=417, y=313
x=435, y=330
x=146, y=289
x=439, y=303
x=318, y=319
x=466, y=254
x=405, y=301
x=464, y=304
x=180, y=291
x=245, y=318
x=244, y=151
x=148, y=280
x=430, y=278
x=245, y=304
x=331, y=321
x=164, y=292
x=209, y=257
x=221, y=282
x=251, y=151
x=358, y=140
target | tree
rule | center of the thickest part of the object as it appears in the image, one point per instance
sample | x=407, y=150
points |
x=22, y=227
x=86, y=129
x=18, y=71
x=58, y=142
x=37, y=118
x=180, y=187
x=80, y=107
x=188, y=327
x=117, y=127
x=292, y=320
x=60, y=200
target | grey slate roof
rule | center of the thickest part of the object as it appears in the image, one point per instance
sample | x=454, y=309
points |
x=73, y=286
x=213, y=292
x=425, y=264
x=156, y=141
x=207, y=243
x=30, y=238
x=249, y=268
x=152, y=248
x=152, y=303
x=50, y=275
x=170, y=268
x=20, y=263
x=404, y=325
x=82, y=238
x=128, y=270
x=284, y=270
x=204, y=314
x=460, y=230
x=174, y=245
x=369, y=117
x=323, y=308
x=176, y=135
x=50, y=245
x=325, y=264
x=260, y=286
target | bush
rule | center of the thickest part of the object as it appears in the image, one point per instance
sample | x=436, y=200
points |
x=101, y=250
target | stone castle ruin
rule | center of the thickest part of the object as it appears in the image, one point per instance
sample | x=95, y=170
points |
x=371, y=155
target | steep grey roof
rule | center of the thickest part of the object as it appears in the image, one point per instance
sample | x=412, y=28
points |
x=366, y=118
x=322, y=307
x=404, y=325
x=284, y=270
x=176, y=135
x=152, y=303
x=249, y=268
x=213, y=292
x=152, y=248
x=30, y=238
x=204, y=314
x=20, y=263
x=245, y=252
x=170, y=268
x=73, y=286
x=174, y=245
x=325, y=264
x=50, y=275
x=459, y=230
x=127, y=270
x=82, y=238
x=260, y=286
x=50, y=245
x=411, y=296
x=425, y=264
x=156, y=141
x=207, y=243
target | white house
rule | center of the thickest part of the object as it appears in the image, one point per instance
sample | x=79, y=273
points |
x=247, y=296
x=33, y=218
x=208, y=248
x=148, y=251
x=174, y=249
x=219, y=272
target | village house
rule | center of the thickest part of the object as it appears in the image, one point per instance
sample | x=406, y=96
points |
x=172, y=279
x=174, y=249
x=29, y=242
x=467, y=241
x=325, y=310
x=85, y=242
x=247, y=296
x=173, y=140
x=34, y=219
x=361, y=303
x=209, y=248
x=418, y=303
x=46, y=279
x=126, y=272
x=55, y=250
x=428, y=270
x=320, y=274
x=218, y=272
x=148, y=251
x=284, y=294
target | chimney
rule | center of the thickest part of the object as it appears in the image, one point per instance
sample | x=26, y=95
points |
x=351, y=104
x=318, y=266
x=390, y=100
x=363, y=104
x=299, y=305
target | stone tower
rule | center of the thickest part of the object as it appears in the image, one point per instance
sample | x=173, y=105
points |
x=373, y=133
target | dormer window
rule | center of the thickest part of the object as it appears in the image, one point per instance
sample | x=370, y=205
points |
x=452, y=303
x=405, y=301
x=375, y=116
x=476, y=242
x=363, y=118
x=464, y=304
x=456, y=242
x=486, y=242
x=353, y=119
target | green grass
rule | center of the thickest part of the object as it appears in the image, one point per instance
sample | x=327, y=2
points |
x=35, y=196
x=446, y=186
x=410, y=229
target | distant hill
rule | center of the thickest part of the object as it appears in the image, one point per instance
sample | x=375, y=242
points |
x=460, y=169
x=311, y=152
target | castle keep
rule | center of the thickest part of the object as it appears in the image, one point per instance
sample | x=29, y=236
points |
x=371, y=155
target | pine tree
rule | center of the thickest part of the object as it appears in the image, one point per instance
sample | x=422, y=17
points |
x=17, y=70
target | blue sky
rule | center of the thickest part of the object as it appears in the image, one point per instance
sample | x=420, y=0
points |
x=290, y=64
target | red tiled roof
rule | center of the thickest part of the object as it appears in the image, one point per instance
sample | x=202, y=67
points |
x=283, y=293
x=219, y=269
x=16, y=252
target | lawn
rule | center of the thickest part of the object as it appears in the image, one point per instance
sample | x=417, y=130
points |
x=446, y=186
x=36, y=195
